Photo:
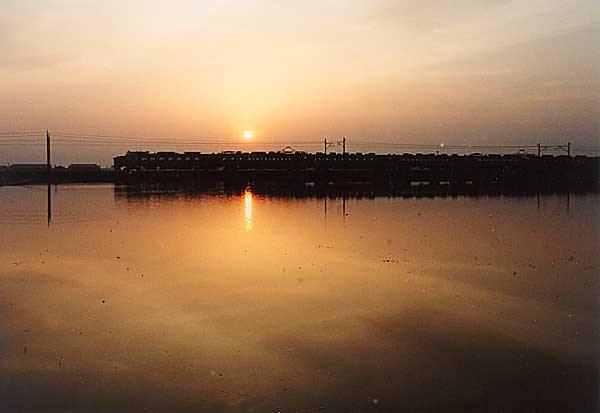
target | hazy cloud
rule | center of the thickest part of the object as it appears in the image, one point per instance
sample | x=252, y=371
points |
x=430, y=15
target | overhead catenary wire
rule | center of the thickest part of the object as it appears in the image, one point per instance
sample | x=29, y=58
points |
x=84, y=137
x=98, y=140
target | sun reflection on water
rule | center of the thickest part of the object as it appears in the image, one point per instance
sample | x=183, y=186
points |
x=248, y=208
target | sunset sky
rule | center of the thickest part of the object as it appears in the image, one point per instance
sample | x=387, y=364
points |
x=454, y=71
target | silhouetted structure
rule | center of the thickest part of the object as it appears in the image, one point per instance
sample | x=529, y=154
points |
x=23, y=174
x=432, y=170
x=429, y=172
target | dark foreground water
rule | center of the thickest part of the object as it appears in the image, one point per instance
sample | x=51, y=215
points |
x=243, y=302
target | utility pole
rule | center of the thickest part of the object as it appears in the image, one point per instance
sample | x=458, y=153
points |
x=569, y=149
x=344, y=146
x=325, y=146
x=48, y=155
x=539, y=146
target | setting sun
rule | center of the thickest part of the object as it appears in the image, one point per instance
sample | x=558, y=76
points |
x=248, y=134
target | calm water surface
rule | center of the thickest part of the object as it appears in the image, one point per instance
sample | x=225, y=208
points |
x=242, y=302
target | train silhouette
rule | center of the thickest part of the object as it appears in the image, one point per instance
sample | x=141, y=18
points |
x=399, y=169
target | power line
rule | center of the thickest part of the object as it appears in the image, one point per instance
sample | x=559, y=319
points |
x=173, y=142
x=95, y=140
x=92, y=135
x=17, y=133
x=20, y=139
x=26, y=143
x=122, y=138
